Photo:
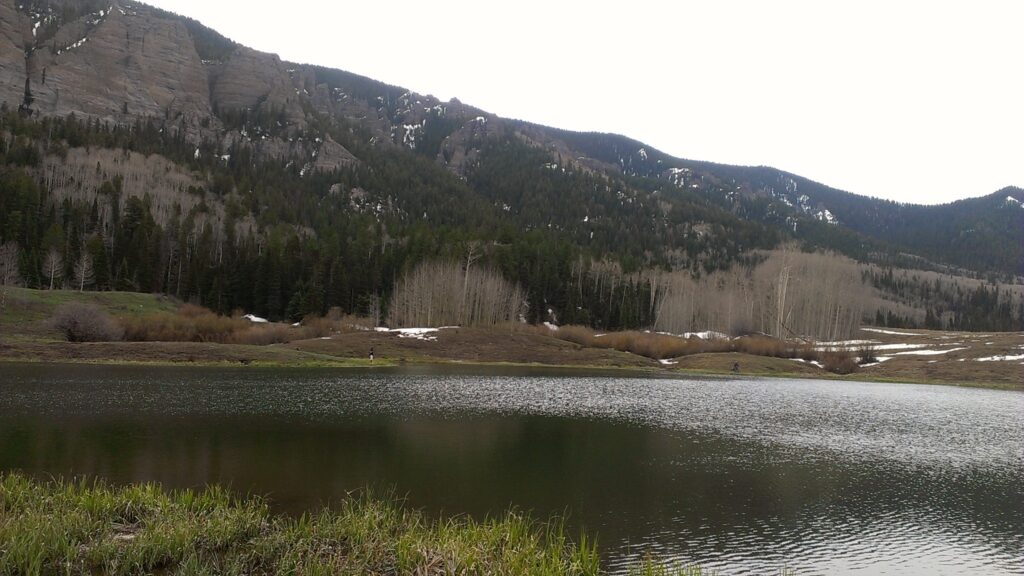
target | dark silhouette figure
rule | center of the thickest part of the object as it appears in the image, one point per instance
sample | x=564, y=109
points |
x=371, y=354
x=735, y=366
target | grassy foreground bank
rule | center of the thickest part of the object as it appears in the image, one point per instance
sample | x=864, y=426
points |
x=90, y=528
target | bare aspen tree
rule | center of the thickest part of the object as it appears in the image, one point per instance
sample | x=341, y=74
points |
x=9, y=275
x=53, y=266
x=9, y=255
x=85, y=275
x=424, y=297
x=819, y=296
x=780, y=296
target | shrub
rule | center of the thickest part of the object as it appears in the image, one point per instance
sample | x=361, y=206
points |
x=761, y=345
x=867, y=354
x=808, y=352
x=839, y=361
x=190, y=323
x=576, y=334
x=263, y=335
x=316, y=327
x=81, y=322
x=659, y=346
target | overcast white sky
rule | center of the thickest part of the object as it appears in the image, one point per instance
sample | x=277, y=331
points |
x=916, y=101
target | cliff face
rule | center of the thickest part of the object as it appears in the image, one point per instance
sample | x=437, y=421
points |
x=120, y=63
x=12, y=53
x=257, y=81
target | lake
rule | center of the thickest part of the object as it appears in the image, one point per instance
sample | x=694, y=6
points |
x=742, y=475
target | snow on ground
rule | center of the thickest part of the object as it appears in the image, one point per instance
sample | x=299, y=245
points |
x=425, y=334
x=899, y=346
x=705, y=335
x=893, y=332
x=879, y=359
x=551, y=326
x=812, y=362
x=847, y=343
x=1000, y=358
x=255, y=319
x=668, y=362
x=929, y=352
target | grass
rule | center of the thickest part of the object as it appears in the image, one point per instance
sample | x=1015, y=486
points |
x=27, y=312
x=165, y=332
x=60, y=527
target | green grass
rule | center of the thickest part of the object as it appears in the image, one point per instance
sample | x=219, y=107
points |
x=26, y=311
x=79, y=527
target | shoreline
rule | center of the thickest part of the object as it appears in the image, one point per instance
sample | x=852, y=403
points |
x=446, y=365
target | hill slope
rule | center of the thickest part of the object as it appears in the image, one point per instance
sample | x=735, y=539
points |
x=175, y=160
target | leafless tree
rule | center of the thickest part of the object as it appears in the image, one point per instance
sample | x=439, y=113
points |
x=85, y=275
x=53, y=266
x=9, y=276
x=426, y=297
x=9, y=255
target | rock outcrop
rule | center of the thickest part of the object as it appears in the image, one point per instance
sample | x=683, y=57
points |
x=120, y=63
x=333, y=156
x=12, y=54
x=257, y=81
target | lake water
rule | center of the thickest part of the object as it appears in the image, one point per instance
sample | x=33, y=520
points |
x=742, y=475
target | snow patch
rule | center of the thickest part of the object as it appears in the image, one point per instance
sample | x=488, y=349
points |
x=845, y=343
x=255, y=319
x=706, y=335
x=892, y=332
x=425, y=334
x=1000, y=358
x=551, y=326
x=929, y=352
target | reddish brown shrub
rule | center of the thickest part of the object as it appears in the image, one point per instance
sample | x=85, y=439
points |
x=576, y=334
x=80, y=322
x=760, y=345
x=190, y=323
x=264, y=335
x=839, y=361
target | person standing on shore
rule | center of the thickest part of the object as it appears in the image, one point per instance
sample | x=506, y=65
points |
x=371, y=354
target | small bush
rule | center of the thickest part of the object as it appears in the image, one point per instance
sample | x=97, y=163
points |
x=316, y=327
x=808, y=352
x=839, y=361
x=867, y=354
x=576, y=334
x=760, y=345
x=80, y=322
x=264, y=335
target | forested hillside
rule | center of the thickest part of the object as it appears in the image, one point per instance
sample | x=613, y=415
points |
x=142, y=151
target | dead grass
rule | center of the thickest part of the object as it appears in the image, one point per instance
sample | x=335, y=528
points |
x=191, y=323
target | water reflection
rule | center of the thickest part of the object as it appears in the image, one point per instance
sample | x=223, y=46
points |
x=742, y=475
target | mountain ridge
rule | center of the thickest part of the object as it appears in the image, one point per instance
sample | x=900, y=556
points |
x=231, y=161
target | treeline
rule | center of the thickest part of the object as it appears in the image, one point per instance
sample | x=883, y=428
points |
x=941, y=302
x=262, y=236
x=259, y=233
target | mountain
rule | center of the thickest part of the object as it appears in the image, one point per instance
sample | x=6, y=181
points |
x=186, y=163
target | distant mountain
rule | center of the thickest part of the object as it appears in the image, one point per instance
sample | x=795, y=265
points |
x=113, y=107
